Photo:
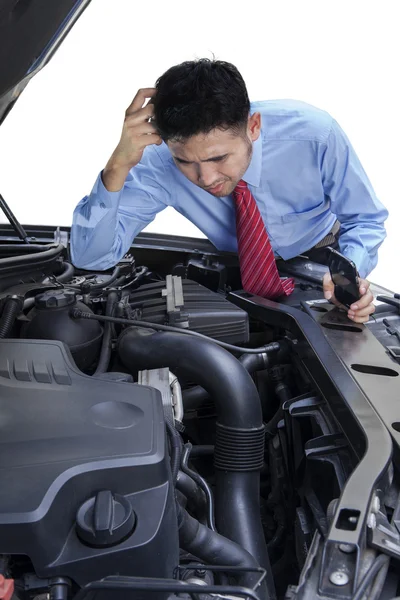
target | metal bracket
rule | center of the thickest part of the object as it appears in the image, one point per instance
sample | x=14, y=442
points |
x=159, y=379
x=167, y=383
x=394, y=351
x=61, y=237
x=382, y=535
x=173, y=292
x=391, y=330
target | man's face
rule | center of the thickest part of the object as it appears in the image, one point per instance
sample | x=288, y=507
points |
x=217, y=161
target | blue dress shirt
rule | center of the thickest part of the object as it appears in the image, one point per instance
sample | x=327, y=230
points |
x=304, y=174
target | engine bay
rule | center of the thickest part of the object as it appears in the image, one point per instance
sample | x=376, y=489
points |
x=164, y=433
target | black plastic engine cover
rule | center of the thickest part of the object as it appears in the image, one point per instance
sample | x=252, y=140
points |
x=205, y=311
x=64, y=437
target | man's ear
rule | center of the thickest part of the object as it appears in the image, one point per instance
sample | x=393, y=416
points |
x=254, y=126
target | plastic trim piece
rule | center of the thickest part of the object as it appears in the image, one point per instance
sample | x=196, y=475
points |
x=351, y=401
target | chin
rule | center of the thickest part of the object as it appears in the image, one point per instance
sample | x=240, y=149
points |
x=226, y=190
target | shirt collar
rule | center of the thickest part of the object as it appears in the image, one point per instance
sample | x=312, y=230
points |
x=253, y=173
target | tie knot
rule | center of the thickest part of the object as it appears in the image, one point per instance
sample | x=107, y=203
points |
x=241, y=187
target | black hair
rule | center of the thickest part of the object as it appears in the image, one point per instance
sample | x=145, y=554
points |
x=199, y=96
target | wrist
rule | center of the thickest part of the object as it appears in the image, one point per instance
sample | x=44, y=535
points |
x=114, y=176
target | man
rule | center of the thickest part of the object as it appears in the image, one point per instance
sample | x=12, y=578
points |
x=270, y=179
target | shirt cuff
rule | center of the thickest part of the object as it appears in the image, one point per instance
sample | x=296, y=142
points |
x=103, y=198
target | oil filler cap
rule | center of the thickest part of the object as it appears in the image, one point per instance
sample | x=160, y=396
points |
x=106, y=519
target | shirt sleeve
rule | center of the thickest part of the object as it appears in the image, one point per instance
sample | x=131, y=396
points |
x=105, y=223
x=354, y=202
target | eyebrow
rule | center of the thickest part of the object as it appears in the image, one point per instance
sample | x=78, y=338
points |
x=213, y=159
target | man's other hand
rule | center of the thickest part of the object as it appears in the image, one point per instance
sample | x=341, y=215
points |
x=360, y=311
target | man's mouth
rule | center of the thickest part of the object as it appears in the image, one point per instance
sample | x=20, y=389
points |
x=216, y=189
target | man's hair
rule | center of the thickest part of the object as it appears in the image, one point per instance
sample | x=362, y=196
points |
x=199, y=96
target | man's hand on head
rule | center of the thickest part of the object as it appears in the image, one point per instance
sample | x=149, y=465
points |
x=138, y=132
x=360, y=311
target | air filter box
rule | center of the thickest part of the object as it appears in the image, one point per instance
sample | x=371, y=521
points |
x=187, y=304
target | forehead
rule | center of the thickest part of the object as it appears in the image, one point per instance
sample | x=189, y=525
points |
x=205, y=145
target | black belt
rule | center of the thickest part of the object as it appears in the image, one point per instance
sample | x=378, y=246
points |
x=330, y=238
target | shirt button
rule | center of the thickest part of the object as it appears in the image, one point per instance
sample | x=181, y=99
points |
x=84, y=236
x=102, y=205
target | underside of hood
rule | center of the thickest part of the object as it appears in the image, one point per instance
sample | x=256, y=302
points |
x=30, y=33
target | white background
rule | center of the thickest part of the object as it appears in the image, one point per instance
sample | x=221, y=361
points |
x=340, y=55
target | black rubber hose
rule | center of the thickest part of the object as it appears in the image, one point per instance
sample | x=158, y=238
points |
x=80, y=314
x=11, y=310
x=201, y=450
x=67, y=273
x=283, y=392
x=133, y=586
x=279, y=515
x=17, y=249
x=239, y=446
x=271, y=426
x=113, y=277
x=12, y=263
x=255, y=362
x=140, y=275
x=176, y=449
x=59, y=590
x=196, y=396
x=213, y=367
x=201, y=482
x=380, y=563
x=240, y=492
x=105, y=352
x=194, y=494
x=379, y=582
x=214, y=549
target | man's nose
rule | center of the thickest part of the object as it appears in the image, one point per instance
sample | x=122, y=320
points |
x=207, y=175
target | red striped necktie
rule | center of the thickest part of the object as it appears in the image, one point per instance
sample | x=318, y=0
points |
x=257, y=262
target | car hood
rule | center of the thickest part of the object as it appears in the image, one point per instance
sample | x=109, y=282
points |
x=30, y=33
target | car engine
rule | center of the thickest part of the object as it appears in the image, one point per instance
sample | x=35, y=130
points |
x=165, y=434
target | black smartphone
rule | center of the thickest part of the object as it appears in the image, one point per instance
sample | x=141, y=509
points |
x=345, y=278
